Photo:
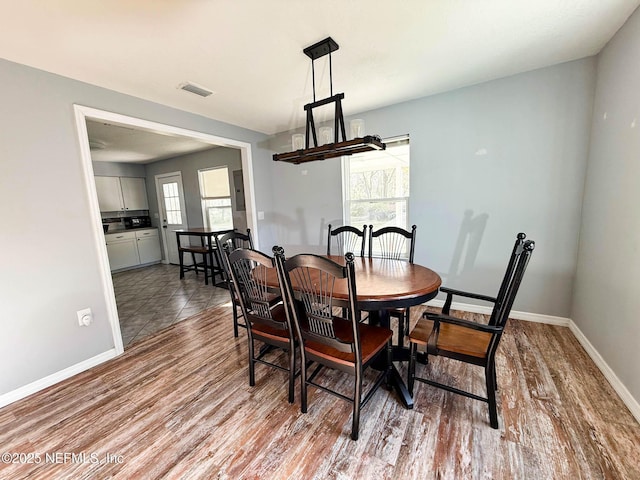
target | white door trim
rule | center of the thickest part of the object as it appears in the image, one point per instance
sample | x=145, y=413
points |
x=98, y=232
x=82, y=113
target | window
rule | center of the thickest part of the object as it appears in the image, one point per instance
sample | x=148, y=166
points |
x=376, y=186
x=216, y=198
x=172, y=203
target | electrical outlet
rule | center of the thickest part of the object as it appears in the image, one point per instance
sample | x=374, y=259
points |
x=85, y=317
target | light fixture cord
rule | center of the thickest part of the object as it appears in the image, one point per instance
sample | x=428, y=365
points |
x=330, y=75
x=313, y=76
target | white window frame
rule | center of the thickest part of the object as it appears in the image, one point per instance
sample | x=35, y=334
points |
x=346, y=198
x=203, y=200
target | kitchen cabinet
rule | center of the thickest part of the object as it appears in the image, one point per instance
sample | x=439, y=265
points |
x=132, y=248
x=121, y=193
x=122, y=249
x=148, y=246
x=109, y=194
x=134, y=193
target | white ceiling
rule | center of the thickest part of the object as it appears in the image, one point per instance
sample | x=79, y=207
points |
x=250, y=51
x=111, y=142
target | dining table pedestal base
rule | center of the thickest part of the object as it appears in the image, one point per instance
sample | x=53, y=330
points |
x=400, y=354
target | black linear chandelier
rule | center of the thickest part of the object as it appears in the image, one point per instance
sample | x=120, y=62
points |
x=337, y=148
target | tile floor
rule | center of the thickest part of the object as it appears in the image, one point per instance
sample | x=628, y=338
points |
x=152, y=298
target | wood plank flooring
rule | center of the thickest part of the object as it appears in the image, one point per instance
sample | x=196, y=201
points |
x=178, y=405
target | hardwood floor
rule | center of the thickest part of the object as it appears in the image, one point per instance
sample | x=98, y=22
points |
x=178, y=405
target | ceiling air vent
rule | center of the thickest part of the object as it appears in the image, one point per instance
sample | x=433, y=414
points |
x=193, y=88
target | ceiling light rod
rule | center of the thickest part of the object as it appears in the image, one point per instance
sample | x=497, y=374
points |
x=337, y=148
x=318, y=50
x=315, y=51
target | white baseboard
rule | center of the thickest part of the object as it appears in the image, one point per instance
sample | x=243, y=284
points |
x=486, y=310
x=624, y=394
x=54, y=378
x=631, y=403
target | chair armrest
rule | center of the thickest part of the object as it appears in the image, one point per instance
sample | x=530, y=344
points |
x=438, y=318
x=477, y=296
x=451, y=292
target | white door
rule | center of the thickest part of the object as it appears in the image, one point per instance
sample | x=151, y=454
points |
x=172, y=210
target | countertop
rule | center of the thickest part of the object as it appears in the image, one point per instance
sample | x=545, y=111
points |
x=125, y=230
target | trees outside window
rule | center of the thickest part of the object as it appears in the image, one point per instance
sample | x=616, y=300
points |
x=376, y=187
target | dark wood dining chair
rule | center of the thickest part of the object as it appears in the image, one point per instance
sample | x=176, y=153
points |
x=394, y=243
x=347, y=239
x=266, y=320
x=234, y=240
x=467, y=341
x=327, y=340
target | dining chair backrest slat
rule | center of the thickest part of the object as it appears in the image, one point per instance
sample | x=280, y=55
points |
x=347, y=239
x=392, y=242
x=309, y=282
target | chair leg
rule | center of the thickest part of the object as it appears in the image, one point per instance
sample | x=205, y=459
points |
x=218, y=269
x=491, y=395
x=209, y=261
x=407, y=321
x=292, y=371
x=355, y=425
x=389, y=364
x=401, y=330
x=303, y=381
x=206, y=268
x=413, y=350
x=181, y=261
x=234, y=308
x=252, y=360
x=195, y=264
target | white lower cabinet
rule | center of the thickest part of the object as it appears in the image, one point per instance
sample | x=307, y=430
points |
x=122, y=249
x=148, y=246
x=132, y=248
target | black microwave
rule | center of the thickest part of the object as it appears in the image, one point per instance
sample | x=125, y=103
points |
x=137, y=222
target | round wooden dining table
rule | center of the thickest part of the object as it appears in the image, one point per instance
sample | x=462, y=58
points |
x=383, y=284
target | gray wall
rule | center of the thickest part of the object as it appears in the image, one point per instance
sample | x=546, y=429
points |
x=304, y=204
x=189, y=165
x=606, y=304
x=42, y=286
x=535, y=130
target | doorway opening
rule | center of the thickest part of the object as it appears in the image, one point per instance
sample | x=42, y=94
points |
x=84, y=114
